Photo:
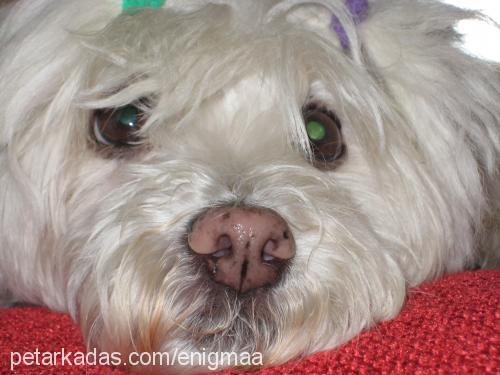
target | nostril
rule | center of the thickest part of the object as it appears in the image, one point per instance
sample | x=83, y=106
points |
x=267, y=250
x=267, y=258
x=269, y=247
x=221, y=253
x=223, y=247
x=224, y=242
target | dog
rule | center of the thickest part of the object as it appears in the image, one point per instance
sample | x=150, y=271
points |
x=218, y=176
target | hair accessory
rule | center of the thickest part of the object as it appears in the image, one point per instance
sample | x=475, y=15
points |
x=131, y=6
x=359, y=11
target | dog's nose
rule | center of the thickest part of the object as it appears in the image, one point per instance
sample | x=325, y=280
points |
x=244, y=247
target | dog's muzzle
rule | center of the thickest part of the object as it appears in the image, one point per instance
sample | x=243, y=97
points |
x=244, y=248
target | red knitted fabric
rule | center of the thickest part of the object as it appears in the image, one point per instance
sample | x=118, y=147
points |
x=449, y=326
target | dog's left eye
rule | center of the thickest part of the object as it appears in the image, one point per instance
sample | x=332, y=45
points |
x=325, y=134
x=118, y=127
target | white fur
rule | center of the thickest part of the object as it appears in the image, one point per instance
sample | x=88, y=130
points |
x=102, y=237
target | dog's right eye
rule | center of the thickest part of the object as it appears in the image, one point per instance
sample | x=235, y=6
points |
x=118, y=127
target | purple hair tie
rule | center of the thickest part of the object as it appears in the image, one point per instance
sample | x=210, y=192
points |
x=359, y=11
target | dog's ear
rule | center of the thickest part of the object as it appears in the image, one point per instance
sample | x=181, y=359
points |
x=414, y=50
x=448, y=99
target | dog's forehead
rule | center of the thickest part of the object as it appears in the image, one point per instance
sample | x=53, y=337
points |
x=252, y=107
x=254, y=92
x=181, y=27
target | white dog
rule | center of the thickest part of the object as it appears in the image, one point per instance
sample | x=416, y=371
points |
x=263, y=176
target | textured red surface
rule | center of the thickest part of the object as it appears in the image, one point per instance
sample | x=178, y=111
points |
x=450, y=326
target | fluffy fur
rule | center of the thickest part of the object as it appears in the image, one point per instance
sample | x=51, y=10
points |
x=102, y=236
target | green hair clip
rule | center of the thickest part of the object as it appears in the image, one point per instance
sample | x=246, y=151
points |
x=131, y=6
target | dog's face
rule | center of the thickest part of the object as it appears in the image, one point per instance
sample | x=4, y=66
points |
x=229, y=179
x=198, y=119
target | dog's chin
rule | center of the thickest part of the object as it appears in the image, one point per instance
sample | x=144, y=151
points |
x=233, y=321
x=227, y=320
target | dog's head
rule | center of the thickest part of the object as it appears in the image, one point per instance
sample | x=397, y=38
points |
x=242, y=177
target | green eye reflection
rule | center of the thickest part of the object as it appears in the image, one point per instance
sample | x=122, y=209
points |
x=119, y=127
x=324, y=130
x=316, y=131
x=127, y=116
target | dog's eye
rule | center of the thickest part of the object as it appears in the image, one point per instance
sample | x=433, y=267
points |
x=325, y=136
x=118, y=127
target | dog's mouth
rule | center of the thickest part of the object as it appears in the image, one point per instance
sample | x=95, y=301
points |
x=230, y=319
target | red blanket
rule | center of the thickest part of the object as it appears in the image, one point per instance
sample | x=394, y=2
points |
x=449, y=326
